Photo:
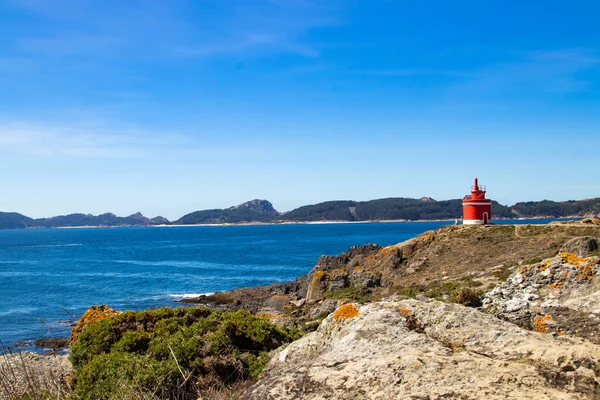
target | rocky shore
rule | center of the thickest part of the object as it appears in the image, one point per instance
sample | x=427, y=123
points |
x=463, y=312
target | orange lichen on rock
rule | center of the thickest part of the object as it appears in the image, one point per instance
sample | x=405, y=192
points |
x=581, y=263
x=338, y=271
x=386, y=251
x=93, y=314
x=346, y=311
x=318, y=275
x=404, y=311
x=572, y=258
x=540, y=324
x=544, y=265
x=358, y=269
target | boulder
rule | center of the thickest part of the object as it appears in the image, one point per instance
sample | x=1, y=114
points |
x=581, y=246
x=407, y=349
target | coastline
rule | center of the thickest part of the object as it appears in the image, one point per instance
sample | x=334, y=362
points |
x=283, y=222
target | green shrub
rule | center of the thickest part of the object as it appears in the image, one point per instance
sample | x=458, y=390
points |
x=360, y=295
x=532, y=261
x=172, y=353
x=467, y=297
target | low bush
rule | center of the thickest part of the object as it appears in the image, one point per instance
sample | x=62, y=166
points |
x=169, y=353
x=360, y=295
x=467, y=297
x=534, y=260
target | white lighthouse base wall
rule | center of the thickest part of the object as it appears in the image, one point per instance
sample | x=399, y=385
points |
x=474, y=222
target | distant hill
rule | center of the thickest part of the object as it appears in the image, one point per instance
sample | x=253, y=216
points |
x=557, y=209
x=107, y=219
x=14, y=220
x=251, y=211
x=390, y=209
x=18, y=221
x=397, y=208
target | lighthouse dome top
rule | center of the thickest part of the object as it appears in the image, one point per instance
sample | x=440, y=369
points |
x=477, y=191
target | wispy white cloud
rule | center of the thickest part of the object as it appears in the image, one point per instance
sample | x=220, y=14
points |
x=117, y=140
x=248, y=42
x=538, y=71
x=77, y=140
x=151, y=28
x=265, y=27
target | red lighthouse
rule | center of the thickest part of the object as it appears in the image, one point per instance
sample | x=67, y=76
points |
x=477, y=210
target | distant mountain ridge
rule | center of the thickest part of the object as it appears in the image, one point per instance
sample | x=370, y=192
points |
x=250, y=211
x=19, y=221
x=257, y=210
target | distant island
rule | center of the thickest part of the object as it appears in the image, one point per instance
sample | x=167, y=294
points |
x=262, y=211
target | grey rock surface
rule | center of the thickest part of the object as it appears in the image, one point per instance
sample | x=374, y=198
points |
x=559, y=295
x=581, y=246
x=407, y=349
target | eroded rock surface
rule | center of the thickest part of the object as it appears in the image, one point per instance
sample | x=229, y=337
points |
x=428, y=350
x=559, y=295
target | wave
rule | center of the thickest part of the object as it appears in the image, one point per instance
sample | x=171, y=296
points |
x=52, y=245
x=187, y=295
x=200, y=265
x=18, y=311
x=176, y=296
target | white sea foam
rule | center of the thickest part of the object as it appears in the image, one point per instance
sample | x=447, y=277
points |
x=187, y=295
x=53, y=245
x=178, y=296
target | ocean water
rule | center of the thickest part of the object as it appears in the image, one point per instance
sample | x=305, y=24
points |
x=50, y=276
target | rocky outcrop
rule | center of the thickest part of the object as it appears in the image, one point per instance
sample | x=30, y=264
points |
x=409, y=349
x=559, y=295
x=261, y=206
x=332, y=273
x=93, y=314
x=581, y=247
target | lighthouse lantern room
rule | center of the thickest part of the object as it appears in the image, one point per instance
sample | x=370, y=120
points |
x=477, y=210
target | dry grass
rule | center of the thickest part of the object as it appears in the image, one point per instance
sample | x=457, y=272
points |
x=33, y=377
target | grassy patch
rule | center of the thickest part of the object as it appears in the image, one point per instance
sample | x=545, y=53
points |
x=504, y=272
x=435, y=290
x=450, y=291
x=172, y=353
x=360, y=295
x=534, y=260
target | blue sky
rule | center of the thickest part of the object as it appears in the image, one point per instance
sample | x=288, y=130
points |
x=170, y=107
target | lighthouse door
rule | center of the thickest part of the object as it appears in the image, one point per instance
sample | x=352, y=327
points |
x=485, y=218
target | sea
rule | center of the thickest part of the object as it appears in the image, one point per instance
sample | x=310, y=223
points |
x=49, y=277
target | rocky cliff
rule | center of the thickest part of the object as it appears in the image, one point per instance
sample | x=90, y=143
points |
x=536, y=334
x=559, y=295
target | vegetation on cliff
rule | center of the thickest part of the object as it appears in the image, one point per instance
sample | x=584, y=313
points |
x=176, y=353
